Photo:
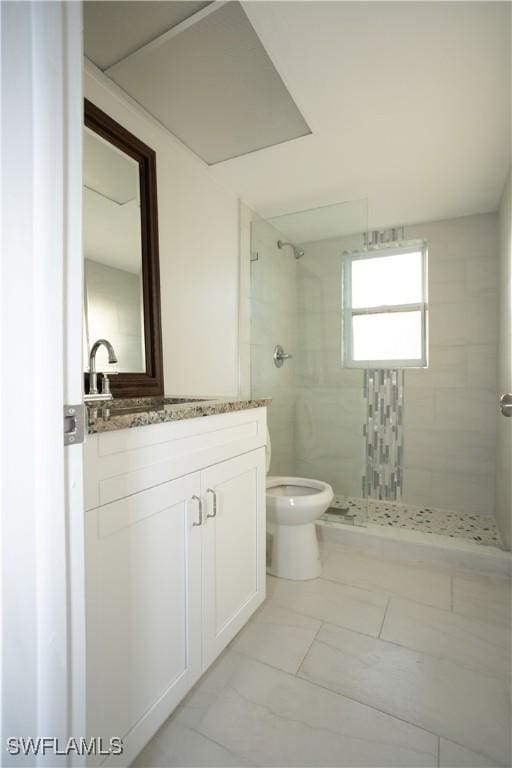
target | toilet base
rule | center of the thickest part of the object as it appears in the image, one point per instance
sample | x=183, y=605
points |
x=295, y=554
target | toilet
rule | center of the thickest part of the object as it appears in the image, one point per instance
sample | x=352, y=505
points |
x=293, y=505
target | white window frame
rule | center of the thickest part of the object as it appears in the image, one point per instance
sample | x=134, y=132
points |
x=348, y=312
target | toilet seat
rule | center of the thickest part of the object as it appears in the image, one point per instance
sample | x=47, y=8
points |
x=296, y=500
x=309, y=485
x=292, y=490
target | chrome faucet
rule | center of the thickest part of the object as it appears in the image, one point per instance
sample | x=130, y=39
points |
x=93, y=376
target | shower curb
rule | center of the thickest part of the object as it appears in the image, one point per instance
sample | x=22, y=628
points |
x=422, y=548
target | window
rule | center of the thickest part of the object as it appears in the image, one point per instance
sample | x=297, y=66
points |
x=385, y=307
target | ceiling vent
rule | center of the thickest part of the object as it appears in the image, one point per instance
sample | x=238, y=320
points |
x=113, y=29
x=208, y=80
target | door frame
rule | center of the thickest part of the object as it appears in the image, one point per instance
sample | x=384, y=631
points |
x=41, y=496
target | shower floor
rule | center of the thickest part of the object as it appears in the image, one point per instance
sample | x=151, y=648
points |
x=352, y=511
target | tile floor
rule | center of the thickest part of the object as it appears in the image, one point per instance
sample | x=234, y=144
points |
x=481, y=529
x=377, y=663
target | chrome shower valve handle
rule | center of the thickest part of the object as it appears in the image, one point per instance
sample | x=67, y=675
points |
x=280, y=356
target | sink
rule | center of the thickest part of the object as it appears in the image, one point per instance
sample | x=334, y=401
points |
x=183, y=400
x=130, y=409
x=155, y=405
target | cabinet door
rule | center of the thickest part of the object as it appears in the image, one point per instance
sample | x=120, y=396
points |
x=234, y=548
x=143, y=610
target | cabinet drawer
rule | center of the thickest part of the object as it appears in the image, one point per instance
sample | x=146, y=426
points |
x=125, y=462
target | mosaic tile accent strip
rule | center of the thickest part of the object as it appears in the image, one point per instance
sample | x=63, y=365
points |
x=383, y=433
x=477, y=528
x=379, y=237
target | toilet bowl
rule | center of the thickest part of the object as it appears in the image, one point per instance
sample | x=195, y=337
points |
x=293, y=505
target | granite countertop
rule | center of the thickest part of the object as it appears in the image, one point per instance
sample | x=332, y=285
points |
x=125, y=413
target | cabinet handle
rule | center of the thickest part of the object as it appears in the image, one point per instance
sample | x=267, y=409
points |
x=506, y=404
x=200, y=503
x=214, y=513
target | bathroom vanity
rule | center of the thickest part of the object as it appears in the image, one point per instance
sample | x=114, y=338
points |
x=175, y=552
x=174, y=487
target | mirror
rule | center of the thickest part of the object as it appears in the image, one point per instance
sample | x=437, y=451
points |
x=121, y=283
x=113, y=302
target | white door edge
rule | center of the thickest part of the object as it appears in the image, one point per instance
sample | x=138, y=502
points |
x=41, y=498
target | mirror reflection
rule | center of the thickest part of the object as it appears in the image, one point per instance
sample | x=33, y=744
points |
x=113, y=302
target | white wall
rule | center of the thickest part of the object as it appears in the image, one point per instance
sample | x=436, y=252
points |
x=199, y=254
x=450, y=408
x=504, y=434
x=114, y=311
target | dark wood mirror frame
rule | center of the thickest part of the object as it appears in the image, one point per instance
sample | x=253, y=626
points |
x=151, y=382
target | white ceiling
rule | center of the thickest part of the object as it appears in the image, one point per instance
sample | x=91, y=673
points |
x=408, y=104
x=322, y=223
x=111, y=198
x=112, y=233
x=108, y=170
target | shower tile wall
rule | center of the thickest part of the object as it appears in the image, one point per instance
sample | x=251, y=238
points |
x=331, y=408
x=273, y=309
x=450, y=408
x=319, y=408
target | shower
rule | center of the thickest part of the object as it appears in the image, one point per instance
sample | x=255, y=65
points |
x=296, y=252
x=358, y=421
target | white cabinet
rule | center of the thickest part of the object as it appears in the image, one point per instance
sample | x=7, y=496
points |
x=164, y=594
x=233, y=548
x=144, y=607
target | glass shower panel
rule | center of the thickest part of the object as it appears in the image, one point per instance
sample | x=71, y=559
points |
x=318, y=416
x=274, y=315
